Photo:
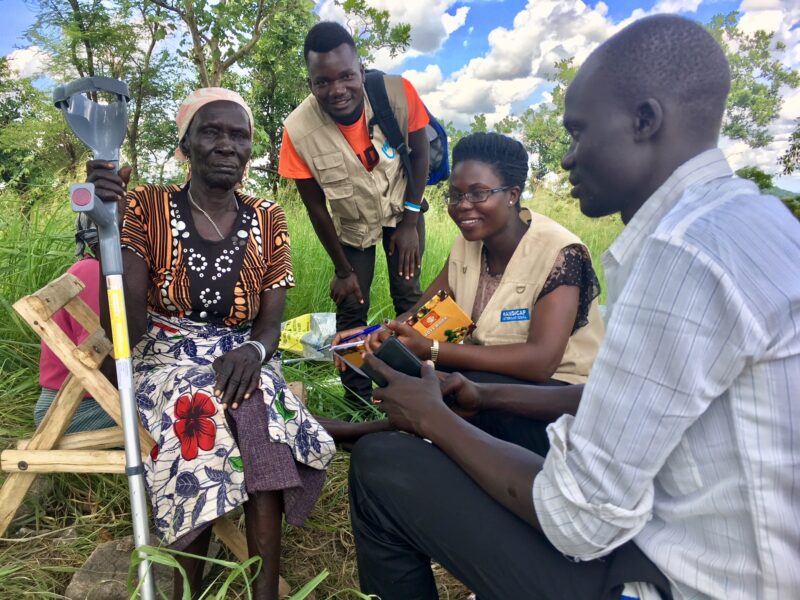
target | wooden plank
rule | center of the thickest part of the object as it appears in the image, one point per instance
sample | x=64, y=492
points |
x=101, y=439
x=51, y=428
x=80, y=311
x=55, y=295
x=12, y=494
x=234, y=539
x=94, y=349
x=59, y=415
x=63, y=461
x=96, y=384
x=298, y=388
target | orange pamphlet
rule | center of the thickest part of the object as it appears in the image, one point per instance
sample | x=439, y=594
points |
x=442, y=319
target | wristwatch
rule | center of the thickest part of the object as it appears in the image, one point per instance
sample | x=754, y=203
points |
x=435, y=351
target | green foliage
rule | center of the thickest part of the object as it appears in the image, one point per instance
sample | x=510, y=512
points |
x=279, y=78
x=121, y=39
x=790, y=160
x=35, y=143
x=478, y=124
x=757, y=77
x=762, y=180
x=218, y=36
x=372, y=30
x=541, y=127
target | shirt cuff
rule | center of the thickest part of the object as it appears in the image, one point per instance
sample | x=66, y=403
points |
x=574, y=525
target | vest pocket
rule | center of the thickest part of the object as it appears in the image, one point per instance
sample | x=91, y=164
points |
x=336, y=184
x=331, y=167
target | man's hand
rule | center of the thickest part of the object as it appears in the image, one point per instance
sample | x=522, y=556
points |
x=342, y=287
x=465, y=394
x=405, y=240
x=108, y=185
x=407, y=401
x=238, y=375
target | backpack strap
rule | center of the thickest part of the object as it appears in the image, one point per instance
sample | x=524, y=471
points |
x=383, y=117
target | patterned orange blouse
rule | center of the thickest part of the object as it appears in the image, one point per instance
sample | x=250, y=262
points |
x=205, y=280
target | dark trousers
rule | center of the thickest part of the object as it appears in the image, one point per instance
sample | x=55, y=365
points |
x=349, y=313
x=522, y=431
x=410, y=503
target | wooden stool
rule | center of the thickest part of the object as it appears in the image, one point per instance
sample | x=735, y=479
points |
x=49, y=450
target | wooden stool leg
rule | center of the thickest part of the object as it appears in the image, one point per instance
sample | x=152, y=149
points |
x=12, y=494
x=50, y=430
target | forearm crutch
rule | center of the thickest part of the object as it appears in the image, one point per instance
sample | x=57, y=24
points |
x=102, y=127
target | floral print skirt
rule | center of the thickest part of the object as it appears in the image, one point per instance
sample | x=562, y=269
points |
x=197, y=471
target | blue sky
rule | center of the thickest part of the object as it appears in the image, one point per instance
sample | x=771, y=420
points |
x=493, y=56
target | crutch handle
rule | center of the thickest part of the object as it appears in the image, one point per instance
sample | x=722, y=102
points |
x=63, y=93
x=102, y=127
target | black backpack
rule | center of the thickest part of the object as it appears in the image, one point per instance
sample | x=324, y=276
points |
x=384, y=118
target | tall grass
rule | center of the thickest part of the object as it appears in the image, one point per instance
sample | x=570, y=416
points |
x=75, y=513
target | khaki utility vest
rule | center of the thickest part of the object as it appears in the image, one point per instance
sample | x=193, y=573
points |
x=507, y=316
x=361, y=202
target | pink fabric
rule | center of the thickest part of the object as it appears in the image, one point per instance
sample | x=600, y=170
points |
x=52, y=371
x=197, y=100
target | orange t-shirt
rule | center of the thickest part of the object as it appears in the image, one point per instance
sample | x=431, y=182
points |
x=290, y=164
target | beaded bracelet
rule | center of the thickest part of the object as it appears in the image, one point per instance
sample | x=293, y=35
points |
x=262, y=351
x=412, y=207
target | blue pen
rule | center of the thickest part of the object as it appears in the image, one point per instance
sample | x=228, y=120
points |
x=359, y=334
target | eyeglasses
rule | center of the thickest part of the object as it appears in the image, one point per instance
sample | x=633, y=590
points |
x=474, y=196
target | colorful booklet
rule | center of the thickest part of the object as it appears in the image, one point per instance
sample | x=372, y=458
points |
x=442, y=319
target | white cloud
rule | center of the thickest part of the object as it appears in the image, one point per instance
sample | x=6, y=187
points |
x=519, y=60
x=27, y=62
x=430, y=20
x=454, y=22
x=676, y=6
x=426, y=80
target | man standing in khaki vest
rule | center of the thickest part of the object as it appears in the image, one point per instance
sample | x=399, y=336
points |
x=333, y=154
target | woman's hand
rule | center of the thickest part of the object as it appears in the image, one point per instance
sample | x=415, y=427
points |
x=463, y=395
x=238, y=375
x=374, y=340
x=407, y=401
x=337, y=339
x=109, y=186
x=410, y=337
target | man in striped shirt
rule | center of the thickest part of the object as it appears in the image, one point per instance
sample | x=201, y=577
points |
x=679, y=473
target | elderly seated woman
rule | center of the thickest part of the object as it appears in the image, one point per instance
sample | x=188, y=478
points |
x=206, y=274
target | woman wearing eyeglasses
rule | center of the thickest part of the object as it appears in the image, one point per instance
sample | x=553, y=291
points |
x=527, y=282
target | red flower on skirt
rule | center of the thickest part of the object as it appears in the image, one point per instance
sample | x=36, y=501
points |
x=193, y=426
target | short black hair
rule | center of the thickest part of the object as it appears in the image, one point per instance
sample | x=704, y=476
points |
x=507, y=156
x=325, y=36
x=669, y=56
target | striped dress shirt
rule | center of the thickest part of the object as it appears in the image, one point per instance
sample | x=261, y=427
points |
x=687, y=439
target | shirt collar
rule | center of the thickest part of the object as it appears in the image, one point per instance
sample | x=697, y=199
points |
x=704, y=167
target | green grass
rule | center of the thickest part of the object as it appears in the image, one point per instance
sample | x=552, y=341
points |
x=36, y=246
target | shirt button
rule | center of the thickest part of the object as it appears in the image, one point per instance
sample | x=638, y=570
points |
x=203, y=314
